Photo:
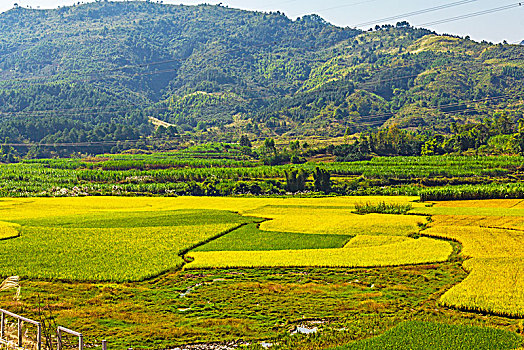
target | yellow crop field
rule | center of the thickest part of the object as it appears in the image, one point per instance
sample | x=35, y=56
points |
x=510, y=222
x=492, y=236
x=373, y=241
x=462, y=209
x=408, y=251
x=494, y=285
x=45, y=207
x=488, y=203
x=335, y=221
x=480, y=242
x=116, y=238
x=8, y=230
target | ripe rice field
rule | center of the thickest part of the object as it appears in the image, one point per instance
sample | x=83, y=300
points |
x=336, y=221
x=129, y=239
x=99, y=242
x=409, y=251
x=492, y=235
x=8, y=230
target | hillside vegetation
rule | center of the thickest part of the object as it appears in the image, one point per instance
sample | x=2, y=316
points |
x=96, y=72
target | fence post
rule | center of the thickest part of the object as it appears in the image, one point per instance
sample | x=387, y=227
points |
x=39, y=336
x=104, y=345
x=80, y=342
x=2, y=331
x=20, y=322
x=58, y=339
x=19, y=333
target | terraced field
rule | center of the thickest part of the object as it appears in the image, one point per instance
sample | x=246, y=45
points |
x=326, y=219
x=376, y=253
x=492, y=235
x=126, y=239
x=97, y=239
x=183, y=261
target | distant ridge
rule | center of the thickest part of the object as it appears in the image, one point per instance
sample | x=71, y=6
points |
x=103, y=71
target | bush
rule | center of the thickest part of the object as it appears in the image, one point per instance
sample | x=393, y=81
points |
x=382, y=208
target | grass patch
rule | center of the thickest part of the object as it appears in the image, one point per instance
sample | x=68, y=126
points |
x=250, y=237
x=430, y=336
x=383, y=208
x=249, y=304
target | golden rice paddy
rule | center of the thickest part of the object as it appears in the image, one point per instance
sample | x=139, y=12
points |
x=492, y=235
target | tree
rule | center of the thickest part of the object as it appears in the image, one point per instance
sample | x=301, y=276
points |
x=172, y=131
x=322, y=180
x=294, y=145
x=244, y=141
x=269, y=146
x=296, y=180
x=403, y=24
x=520, y=137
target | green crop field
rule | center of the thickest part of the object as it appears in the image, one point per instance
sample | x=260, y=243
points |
x=195, y=173
x=431, y=336
x=104, y=244
x=251, y=238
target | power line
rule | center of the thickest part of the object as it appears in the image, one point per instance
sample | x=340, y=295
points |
x=470, y=15
x=81, y=144
x=95, y=76
x=458, y=111
x=142, y=65
x=416, y=13
x=154, y=63
x=89, y=110
x=364, y=123
x=450, y=105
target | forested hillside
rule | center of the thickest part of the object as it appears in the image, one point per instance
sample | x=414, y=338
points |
x=98, y=71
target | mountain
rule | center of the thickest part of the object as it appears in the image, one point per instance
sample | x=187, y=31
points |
x=99, y=71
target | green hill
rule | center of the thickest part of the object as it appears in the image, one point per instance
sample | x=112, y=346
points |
x=98, y=71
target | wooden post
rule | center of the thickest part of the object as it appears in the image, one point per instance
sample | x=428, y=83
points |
x=80, y=342
x=58, y=340
x=39, y=336
x=19, y=333
x=2, y=330
x=104, y=345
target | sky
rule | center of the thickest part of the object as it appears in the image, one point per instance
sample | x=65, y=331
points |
x=494, y=27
